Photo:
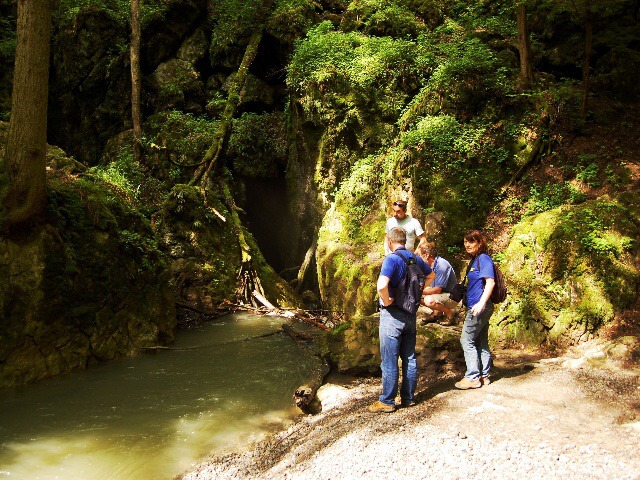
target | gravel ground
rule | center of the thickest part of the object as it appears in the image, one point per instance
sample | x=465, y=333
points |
x=537, y=420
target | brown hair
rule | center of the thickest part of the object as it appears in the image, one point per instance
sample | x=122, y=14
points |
x=476, y=236
x=426, y=249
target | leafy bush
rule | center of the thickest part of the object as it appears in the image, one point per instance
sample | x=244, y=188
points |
x=186, y=137
x=550, y=196
x=117, y=9
x=381, y=18
x=258, y=144
x=465, y=74
x=589, y=173
x=328, y=58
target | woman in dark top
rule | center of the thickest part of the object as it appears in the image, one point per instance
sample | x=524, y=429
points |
x=475, y=332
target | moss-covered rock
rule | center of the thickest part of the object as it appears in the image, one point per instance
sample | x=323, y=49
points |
x=203, y=249
x=354, y=346
x=89, y=285
x=205, y=254
x=570, y=270
x=175, y=84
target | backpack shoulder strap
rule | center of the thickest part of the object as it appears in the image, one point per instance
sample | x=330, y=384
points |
x=410, y=260
x=464, y=280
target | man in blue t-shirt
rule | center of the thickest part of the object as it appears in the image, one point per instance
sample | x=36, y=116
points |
x=437, y=294
x=397, y=327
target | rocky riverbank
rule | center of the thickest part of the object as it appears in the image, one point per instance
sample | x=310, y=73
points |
x=540, y=418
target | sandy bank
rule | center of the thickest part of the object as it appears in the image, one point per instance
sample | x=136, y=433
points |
x=539, y=419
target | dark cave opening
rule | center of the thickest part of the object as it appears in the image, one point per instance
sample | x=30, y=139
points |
x=268, y=220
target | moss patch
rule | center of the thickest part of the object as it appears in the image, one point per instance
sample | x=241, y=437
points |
x=570, y=270
x=89, y=285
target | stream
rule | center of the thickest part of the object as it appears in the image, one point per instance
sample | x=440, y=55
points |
x=221, y=385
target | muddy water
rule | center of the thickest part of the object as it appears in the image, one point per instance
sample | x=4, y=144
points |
x=226, y=383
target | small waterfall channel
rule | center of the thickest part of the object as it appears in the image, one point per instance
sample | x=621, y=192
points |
x=222, y=384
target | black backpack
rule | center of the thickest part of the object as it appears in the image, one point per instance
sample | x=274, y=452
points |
x=408, y=293
x=499, y=292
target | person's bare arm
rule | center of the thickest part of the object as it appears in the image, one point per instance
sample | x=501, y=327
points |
x=383, y=290
x=488, y=288
x=431, y=290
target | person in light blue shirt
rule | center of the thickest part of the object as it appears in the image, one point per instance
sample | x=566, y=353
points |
x=475, y=331
x=436, y=295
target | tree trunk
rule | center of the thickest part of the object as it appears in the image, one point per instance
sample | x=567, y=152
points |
x=524, y=47
x=27, y=139
x=586, y=66
x=222, y=134
x=305, y=264
x=136, y=114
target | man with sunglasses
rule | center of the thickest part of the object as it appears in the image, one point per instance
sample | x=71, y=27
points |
x=409, y=224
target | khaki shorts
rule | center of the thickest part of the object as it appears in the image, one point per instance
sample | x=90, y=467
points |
x=442, y=298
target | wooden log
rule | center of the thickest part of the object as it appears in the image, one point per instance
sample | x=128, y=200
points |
x=305, y=264
x=262, y=300
x=305, y=395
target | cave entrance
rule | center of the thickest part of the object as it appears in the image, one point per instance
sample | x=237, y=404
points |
x=268, y=219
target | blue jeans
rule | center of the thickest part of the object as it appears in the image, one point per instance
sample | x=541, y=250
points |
x=398, y=339
x=475, y=343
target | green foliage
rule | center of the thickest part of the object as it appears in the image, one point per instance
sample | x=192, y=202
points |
x=185, y=137
x=119, y=10
x=589, y=173
x=436, y=136
x=122, y=174
x=552, y=195
x=291, y=19
x=465, y=74
x=140, y=246
x=592, y=226
x=233, y=22
x=258, y=144
x=7, y=38
x=570, y=269
x=429, y=12
x=381, y=18
x=331, y=59
x=357, y=195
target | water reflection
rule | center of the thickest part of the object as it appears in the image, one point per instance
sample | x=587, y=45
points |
x=153, y=416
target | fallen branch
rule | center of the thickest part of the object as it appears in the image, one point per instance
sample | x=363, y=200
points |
x=262, y=300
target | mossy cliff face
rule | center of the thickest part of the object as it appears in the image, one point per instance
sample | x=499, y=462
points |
x=203, y=250
x=90, y=84
x=350, y=244
x=570, y=271
x=90, y=285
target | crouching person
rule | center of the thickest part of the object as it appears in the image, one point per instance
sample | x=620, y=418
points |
x=437, y=294
x=398, y=320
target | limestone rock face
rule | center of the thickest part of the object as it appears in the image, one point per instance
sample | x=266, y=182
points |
x=177, y=85
x=90, y=83
x=87, y=286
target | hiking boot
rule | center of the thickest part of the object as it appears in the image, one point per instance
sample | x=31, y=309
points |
x=485, y=381
x=412, y=403
x=380, y=407
x=466, y=384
